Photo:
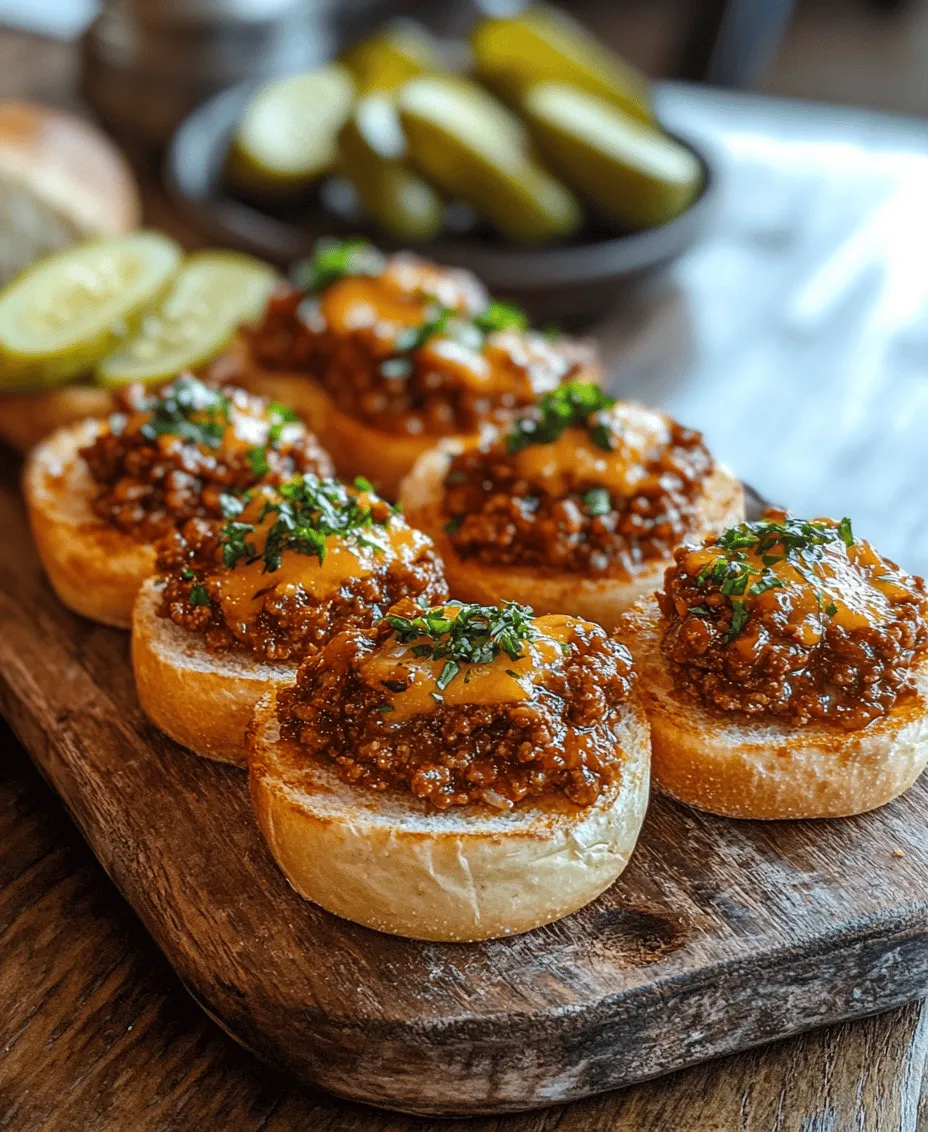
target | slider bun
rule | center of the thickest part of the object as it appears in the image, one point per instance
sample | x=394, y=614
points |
x=741, y=767
x=595, y=599
x=201, y=699
x=94, y=569
x=26, y=418
x=393, y=864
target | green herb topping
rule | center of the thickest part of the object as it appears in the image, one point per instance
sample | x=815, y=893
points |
x=477, y=635
x=575, y=404
x=335, y=259
x=798, y=542
x=306, y=510
x=189, y=409
x=500, y=316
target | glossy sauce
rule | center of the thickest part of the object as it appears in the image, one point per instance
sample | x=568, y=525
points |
x=502, y=681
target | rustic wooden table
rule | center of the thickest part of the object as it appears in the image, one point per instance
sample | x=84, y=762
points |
x=96, y=1032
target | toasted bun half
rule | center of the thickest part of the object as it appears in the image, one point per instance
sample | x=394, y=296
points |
x=27, y=418
x=94, y=569
x=391, y=863
x=741, y=767
x=595, y=599
x=203, y=700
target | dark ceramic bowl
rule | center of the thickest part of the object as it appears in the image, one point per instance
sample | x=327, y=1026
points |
x=569, y=283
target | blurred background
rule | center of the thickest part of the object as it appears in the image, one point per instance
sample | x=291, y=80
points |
x=787, y=314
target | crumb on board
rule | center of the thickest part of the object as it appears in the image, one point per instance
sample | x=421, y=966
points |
x=898, y=853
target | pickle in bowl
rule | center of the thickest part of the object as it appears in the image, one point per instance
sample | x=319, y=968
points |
x=635, y=174
x=383, y=61
x=470, y=147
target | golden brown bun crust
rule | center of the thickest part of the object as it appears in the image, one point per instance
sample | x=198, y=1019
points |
x=94, y=569
x=26, y=418
x=203, y=700
x=595, y=599
x=741, y=767
x=390, y=863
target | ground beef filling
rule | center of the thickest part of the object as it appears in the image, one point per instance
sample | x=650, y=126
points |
x=560, y=743
x=496, y=517
x=291, y=624
x=147, y=487
x=423, y=392
x=847, y=677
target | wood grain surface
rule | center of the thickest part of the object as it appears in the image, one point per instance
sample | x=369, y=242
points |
x=719, y=936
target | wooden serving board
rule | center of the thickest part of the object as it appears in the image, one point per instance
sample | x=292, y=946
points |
x=719, y=936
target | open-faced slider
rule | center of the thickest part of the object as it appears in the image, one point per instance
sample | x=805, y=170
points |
x=575, y=507
x=385, y=356
x=785, y=671
x=456, y=773
x=102, y=492
x=235, y=607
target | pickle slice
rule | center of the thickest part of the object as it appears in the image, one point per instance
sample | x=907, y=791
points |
x=210, y=297
x=385, y=60
x=287, y=136
x=472, y=148
x=542, y=44
x=59, y=317
x=372, y=150
x=635, y=174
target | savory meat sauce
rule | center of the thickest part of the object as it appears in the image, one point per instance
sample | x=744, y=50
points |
x=464, y=703
x=293, y=567
x=172, y=457
x=581, y=483
x=410, y=348
x=794, y=619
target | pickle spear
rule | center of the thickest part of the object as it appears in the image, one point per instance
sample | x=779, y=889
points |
x=211, y=296
x=287, y=136
x=385, y=60
x=372, y=150
x=542, y=44
x=472, y=148
x=59, y=317
x=635, y=174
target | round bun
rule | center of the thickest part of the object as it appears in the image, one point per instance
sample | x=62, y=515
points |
x=26, y=418
x=595, y=599
x=61, y=180
x=203, y=700
x=741, y=767
x=94, y=569
x=389, y=862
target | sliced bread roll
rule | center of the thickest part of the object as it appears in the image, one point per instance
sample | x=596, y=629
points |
x=742, y=767
x=25, y=418
x=389, y=862
x=95, y=569
x=600, y=599
x=203, y=700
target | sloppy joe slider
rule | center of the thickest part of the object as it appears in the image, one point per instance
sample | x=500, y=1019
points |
x=456, y=773
x=576, y=507
x=101, y=492
x=235, y=607
x=785, y=670
x=386, y=355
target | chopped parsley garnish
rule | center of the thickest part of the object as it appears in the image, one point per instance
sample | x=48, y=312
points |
x=187, y=575
x=257, y=458
x=198, y=595
x=500, y=315
x=335, y=259
x=796, y=541
x=575, y=404
x=306, y=510
x=477, y=635
x=189, y=409
x=280, y=415
x=597, y=502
